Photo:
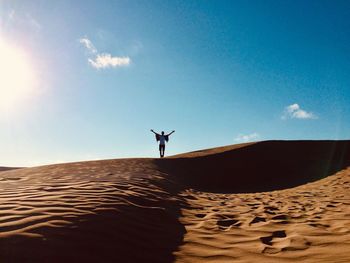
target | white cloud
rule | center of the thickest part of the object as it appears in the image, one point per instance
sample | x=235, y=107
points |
x=292, y=107
x=247, y=137
x=88, y=44
x=107, y=61
x=103, y=60
x=294, y=111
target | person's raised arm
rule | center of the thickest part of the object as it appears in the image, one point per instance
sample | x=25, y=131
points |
x=171, y=133
x=153, y=131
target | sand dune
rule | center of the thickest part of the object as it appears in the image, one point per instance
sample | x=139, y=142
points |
x=4, y=168
x=275, y=201
x=262, y=166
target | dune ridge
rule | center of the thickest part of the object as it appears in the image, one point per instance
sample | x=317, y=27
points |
x=202, y=206
x=5, y=168
x=260, y=166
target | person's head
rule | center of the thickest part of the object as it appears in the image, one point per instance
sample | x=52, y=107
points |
x=162, y=132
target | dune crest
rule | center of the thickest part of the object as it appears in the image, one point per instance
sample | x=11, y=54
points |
x=260, y=166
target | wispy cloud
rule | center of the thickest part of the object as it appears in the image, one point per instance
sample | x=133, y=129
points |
x=33, y=22
x=103, y=60
x=23, y=20
x=247, y=137
x=294, y=111
x=106, y=61
x=88, y=45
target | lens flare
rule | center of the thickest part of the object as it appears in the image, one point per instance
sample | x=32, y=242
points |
x=17, y=78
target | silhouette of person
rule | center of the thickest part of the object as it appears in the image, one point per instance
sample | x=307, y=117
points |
x=162, y=138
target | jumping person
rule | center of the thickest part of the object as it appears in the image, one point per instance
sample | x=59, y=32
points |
x=162, y=138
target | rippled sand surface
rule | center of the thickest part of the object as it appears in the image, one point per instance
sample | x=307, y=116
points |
x=310, y=223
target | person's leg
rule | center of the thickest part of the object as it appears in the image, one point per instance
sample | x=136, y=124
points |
x=162, y=147
x=163, y=150
x=160, y=150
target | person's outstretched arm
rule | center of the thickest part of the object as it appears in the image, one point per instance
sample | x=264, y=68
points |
x=171, y=133
x=154, y=132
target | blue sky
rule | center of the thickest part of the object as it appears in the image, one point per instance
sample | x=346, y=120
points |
x=217, y=72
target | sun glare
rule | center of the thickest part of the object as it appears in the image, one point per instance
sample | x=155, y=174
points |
x=17, y=78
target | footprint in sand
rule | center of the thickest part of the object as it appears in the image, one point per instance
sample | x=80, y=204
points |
x=283, y=243
x=280, y=217
x=324, y=226
x=257, y=219
x=200, y=215
x=224, y=224
x=268, y=240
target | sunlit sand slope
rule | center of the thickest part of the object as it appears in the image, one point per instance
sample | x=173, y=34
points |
x=309, y=223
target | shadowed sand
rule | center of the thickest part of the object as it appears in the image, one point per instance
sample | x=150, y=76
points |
x=256, y=167
x=205, y=206
x=3, y=168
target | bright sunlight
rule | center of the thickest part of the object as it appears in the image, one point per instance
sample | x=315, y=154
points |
x=17, y=78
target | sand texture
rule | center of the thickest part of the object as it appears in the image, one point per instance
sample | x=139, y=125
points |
x=274, y=201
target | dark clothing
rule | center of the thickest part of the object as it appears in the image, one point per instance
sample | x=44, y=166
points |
x=162, y=139
x=161, y=149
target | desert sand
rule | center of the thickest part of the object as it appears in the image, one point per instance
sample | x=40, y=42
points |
x=273, y=201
